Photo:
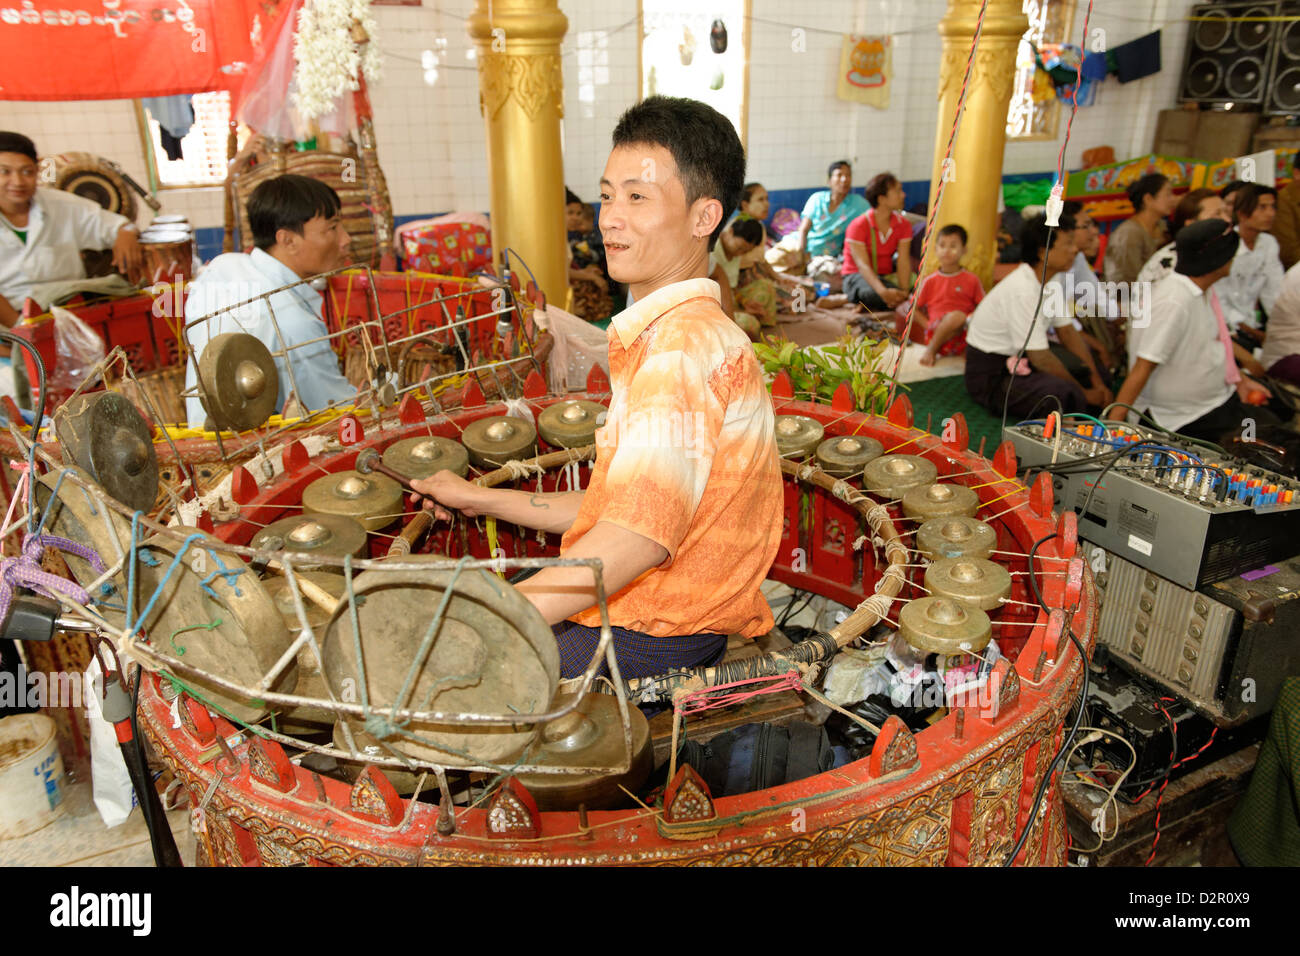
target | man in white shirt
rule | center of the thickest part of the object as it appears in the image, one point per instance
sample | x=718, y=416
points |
x=1281, y=355
x=1182, y=372
x=1007, y=355
x=42, y=232
x=298, y=234
x=1256, y=276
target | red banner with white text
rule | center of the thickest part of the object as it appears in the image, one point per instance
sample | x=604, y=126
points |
x=127, y=49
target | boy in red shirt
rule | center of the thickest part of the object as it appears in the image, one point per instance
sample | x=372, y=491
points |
x=946, y=298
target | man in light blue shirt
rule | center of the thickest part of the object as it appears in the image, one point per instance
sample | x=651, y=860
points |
x=298, y=234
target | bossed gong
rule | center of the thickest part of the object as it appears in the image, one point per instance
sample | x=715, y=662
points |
x=103, y=434
x=369, y=749
x=939, y=499
x=591, y=736
x=491, y=442
x=75, y=515
x=571, y=423
x=238, y=382
x=321, y=535
x=938, y=625
x=492, y=653
x=311, y=683
x=845, y=455
x=956, y=536
x=422, y=457
x=373, y=500
x=975, y=582
x=890, y=476
x=797, y=436
x=225, y=625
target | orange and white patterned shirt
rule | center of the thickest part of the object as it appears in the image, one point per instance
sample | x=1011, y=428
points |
x=687, y=458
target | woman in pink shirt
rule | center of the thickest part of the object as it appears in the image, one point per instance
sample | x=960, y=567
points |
x=870, y=245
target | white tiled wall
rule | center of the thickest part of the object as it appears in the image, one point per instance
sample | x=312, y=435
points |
x=431, y=139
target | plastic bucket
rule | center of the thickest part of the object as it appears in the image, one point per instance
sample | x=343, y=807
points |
x=31, y=774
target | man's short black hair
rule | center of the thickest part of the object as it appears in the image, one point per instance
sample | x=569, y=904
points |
x=1148, y=185
x=288, y=202
x=952, y=229
x=703, y=143
x=571, y=198
x=830, y=170
x=1247, y=199
x=1071, y=208
x=1231, y=188
x=880, y=184
x=17, y=143
x=1036, y=239
x=751, y=230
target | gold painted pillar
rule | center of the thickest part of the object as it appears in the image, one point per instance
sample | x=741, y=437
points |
x=521, y=97
x=974, y=177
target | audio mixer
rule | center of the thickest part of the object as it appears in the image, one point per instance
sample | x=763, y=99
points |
x=1174, y=508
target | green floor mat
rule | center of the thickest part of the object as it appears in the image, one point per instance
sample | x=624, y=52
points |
x=938, y=398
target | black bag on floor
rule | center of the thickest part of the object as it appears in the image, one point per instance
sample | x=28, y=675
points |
x=757, y=756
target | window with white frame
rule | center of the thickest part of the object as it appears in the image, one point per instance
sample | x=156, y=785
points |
x=203, y=148
x=1049, y=22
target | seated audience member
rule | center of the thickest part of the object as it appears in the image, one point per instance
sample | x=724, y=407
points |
x=872, y=240
x=297, y=234
x=946, y=298
x=1256, y=276
x=1228, y=194
x=1085, y=296
x=1281, y=354
x=1286, y=226
x=1195, y=205
x=46, y=229
x=1181, y=366
x=738, y=238
x=593, y=290
x=1007, y=358
x=1137, y=238
x=826, y=216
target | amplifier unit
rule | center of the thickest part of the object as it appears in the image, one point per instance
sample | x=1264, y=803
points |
x=1230, y=53
x=1168, y=507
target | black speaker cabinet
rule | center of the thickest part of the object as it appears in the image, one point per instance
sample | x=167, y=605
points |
x=1229, y=56
x=1283, y=96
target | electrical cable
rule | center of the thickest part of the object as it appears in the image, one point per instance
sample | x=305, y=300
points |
x=161, y=839
x=1078, y=719
x=12, y=339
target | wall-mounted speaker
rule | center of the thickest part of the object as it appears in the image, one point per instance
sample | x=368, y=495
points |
x=1230, y=53
x=1284, y=78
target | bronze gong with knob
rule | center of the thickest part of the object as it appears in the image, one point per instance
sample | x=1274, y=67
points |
x=797, y=436
x=319, y=535
x=491, y=442
x=890, y=476
x=571, y=423
x=956, y=536
x=373, y=500
x=422, y=457
x=938, y=625
x=940, y=499
x=846, y=455
x=103, y=434
x=976, y=582
x=238, y=382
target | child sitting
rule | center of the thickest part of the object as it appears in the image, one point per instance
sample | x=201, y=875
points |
x=946, y=298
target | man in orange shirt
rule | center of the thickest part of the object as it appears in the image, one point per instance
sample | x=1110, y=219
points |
x=684, y=503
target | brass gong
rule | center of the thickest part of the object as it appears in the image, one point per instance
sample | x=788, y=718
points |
x=845, y=455
x=226, y=625
x=571, y=423
x=310, y=681
x=74, y=514
x=975, y=582
x=797, y=436
x=939, y=499
x=422, y=457
x=956, y=536
x=890, y=476
x=591, y=736
x=492, y=653
x=238, y=382
x=938, y=625
x=103, y=434
x=491, y=442
x=320, y=535
x=373, y=500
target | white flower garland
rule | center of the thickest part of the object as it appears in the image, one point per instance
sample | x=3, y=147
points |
x=327, y=59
